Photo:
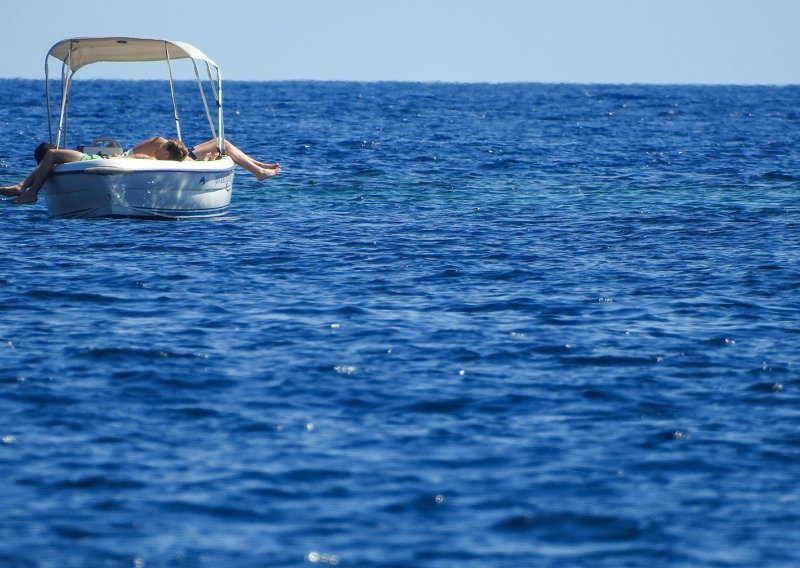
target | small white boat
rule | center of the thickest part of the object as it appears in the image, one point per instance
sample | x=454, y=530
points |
x=128, y=187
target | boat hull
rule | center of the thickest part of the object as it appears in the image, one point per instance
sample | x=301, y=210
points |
x=128, y=187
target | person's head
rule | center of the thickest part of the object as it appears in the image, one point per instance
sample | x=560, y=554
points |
x=172, y=149
x=41, y=150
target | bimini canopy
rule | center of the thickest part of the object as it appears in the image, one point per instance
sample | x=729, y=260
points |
x=79, y=52
x=75, y=53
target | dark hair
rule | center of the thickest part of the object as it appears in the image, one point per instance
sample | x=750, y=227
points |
x=177, y=151
x=41, y=150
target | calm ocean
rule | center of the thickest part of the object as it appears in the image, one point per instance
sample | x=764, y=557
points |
x=468, y=325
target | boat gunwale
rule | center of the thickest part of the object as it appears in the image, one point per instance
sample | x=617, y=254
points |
x=135, y=165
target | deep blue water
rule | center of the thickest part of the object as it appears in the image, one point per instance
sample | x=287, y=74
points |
x=468, y=325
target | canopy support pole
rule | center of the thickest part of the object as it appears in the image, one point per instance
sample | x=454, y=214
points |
x=66, y=77
x=172, y=90
x=47, y=94
x=221, y=134
x=203, y=97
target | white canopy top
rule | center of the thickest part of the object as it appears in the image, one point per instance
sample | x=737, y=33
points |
x=79, y=52
x=93, y=49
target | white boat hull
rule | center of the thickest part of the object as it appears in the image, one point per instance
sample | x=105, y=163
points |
x=129, y=187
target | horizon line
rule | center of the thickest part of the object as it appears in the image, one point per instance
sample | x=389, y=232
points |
x=440, y=82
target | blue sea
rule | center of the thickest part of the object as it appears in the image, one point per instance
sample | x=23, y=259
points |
x=468, y=325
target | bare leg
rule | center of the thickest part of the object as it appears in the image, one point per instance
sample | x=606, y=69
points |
x=261, y=170
x=42, y=171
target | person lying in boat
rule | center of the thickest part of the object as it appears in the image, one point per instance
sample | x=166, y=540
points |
x=208, y=151
x=156, y=148
x=27, y=191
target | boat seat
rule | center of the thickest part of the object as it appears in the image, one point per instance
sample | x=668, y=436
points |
x=103, y=146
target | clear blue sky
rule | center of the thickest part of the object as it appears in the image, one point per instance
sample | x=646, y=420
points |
x=606, y=41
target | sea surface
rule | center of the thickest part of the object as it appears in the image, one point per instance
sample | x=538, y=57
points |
x=468, y=325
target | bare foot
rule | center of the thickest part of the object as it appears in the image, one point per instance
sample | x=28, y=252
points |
x=25, y=199
x=265, y=173
x=11, y=190
x=274, y=166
